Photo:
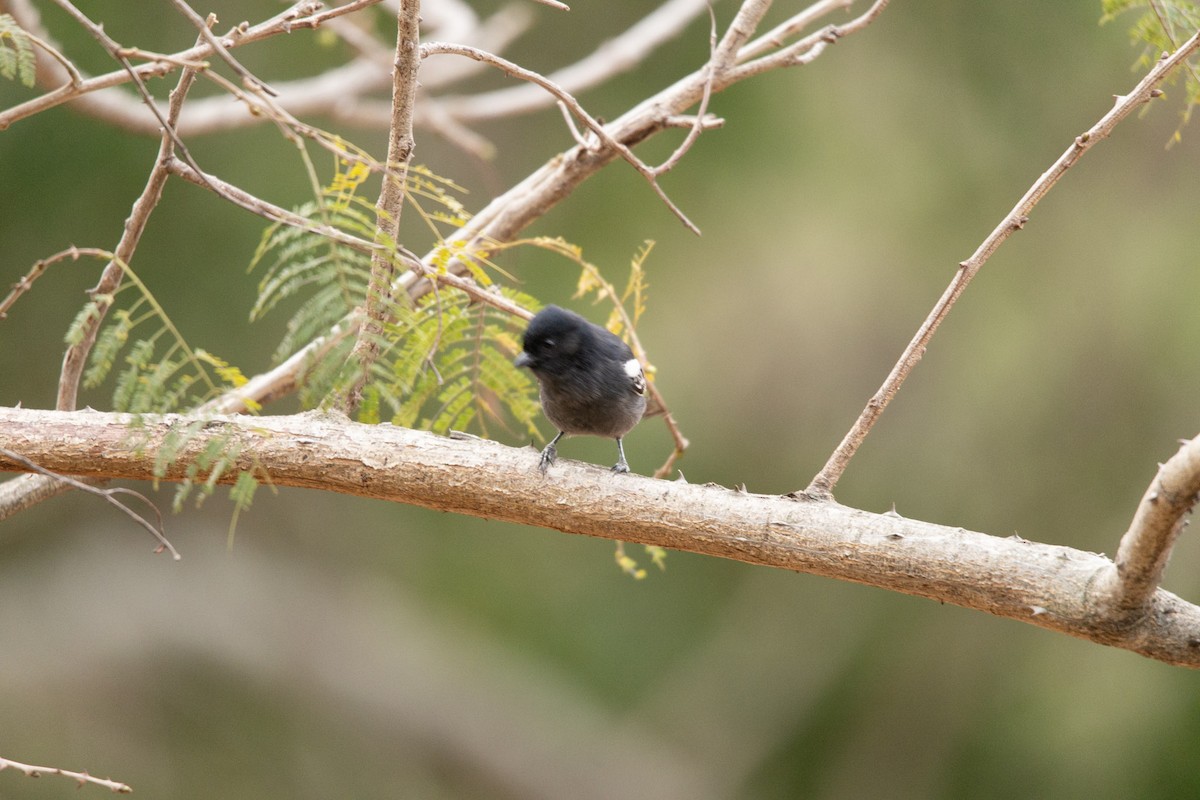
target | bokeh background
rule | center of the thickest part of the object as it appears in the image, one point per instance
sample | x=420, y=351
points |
x=349, y=648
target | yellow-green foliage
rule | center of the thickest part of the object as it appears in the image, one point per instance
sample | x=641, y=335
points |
x=446, y=361
x=156, y=370
x=450, y=366
x=1162, y=26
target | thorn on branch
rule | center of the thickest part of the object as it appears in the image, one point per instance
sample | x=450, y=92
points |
x=1018, y=223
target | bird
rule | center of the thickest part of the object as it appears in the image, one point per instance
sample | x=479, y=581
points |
x=589, y=381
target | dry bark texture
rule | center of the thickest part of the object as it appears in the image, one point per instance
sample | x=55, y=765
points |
x=1054, y=587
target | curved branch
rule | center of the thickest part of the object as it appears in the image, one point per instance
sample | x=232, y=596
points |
x=1146, y=547
x=1046, y=585
x=1147, y=89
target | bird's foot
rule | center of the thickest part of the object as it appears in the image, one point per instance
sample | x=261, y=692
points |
x=548, y=456
x=621, y=465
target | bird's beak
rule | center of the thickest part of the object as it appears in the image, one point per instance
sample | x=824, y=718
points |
x=523, y=360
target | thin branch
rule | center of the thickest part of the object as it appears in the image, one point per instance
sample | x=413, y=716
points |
x=41, y=265
x=121, y=55
x=266, y=210
x=698, y=126
x=80, y=777
x=565, y=97
x=75, y=79
x=1045, y=585
x=377, y=306
x=777, y=37
x=76, y=356
x=803, y=51
x=204, y=27
x=822, y=484
x=108, y=495
x=303, y=14
x=1145, y=548
x=610, y=58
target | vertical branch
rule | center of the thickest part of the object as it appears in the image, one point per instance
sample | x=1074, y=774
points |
x=379, y=299
x=110, y=279
x=824, y=481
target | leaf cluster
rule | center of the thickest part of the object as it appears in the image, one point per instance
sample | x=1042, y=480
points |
x=446, y=359
x=156, y=370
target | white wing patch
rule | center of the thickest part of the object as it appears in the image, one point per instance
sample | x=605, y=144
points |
x=633, y=368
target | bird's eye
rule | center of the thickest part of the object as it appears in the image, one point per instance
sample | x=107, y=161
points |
x=551, y=342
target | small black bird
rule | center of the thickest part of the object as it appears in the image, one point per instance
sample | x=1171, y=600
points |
x=589, y=380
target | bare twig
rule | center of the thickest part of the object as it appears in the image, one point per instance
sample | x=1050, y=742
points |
x=1146, y=547
x=80, y=777
x=204, y=27
x=1147, y=88
x=75, y=79
x=255, y=205
x=121, y=55
x=777, y=37
x=802, y=51
x=613, y=57
x=108, y=495
x=565, y=97
x=694, y=132
x=377, y=306
x=41, y=265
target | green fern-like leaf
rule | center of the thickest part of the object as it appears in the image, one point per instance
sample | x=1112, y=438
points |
x=91, y=311
x=156, y=369
x=16, y=52
x=452, y=366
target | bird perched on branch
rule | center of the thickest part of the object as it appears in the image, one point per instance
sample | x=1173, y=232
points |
x=588, y=379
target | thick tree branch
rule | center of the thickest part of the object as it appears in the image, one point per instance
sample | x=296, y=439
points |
x=1054, y=587
x=823, y=482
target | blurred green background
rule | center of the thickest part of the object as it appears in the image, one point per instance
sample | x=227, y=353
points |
x=347, y=648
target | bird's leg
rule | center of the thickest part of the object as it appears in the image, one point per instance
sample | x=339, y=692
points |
x=550, y=453
x=621, y=465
